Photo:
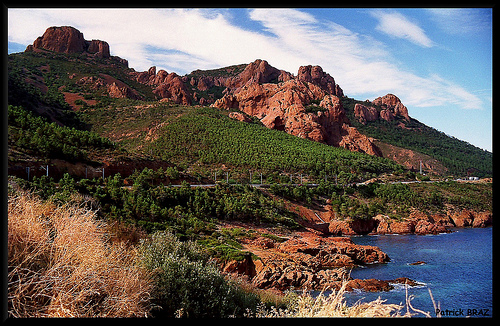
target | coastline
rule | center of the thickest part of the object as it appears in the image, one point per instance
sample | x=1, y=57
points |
x=458, y=269
x=318, y=261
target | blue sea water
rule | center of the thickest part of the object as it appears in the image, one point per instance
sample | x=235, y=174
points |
x=458, y=271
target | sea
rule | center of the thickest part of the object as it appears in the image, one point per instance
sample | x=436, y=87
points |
x=458, y=271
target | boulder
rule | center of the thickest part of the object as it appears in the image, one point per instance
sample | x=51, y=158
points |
x=120, y=92
x=369, y=285
x=426, y=227
x=441, y=219
x=382, y=225
x=239, y=116
x=339, y=228
x=243, y=267
x=402, y=227
x=463, y=218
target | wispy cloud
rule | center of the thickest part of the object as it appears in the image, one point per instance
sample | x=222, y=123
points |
x=359, y=63
x=458, y=21
x=397, y=25
x=184, y=40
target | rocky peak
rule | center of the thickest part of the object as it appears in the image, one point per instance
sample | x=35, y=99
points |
x=394, y=106
x=390, y=106
x=67, y=39
x=316, y=76
x=259, y=71
x=99, y=48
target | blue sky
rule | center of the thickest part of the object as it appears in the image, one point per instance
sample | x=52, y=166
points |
x=437, y=61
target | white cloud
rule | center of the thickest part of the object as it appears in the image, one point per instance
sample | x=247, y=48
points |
x=398, y=25
x=360, y=64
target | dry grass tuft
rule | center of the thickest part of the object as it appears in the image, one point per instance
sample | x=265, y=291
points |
x=334, y=305
x=60, y=264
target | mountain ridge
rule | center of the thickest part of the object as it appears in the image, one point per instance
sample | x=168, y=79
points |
x=309, y=105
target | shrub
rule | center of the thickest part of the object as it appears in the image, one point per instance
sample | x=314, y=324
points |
x=188, y=284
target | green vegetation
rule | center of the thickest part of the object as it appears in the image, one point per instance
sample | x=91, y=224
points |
x=190, y=213
x=181, y=227
x=38, y=80
x=188, y=284
x=398, y=200
x=63, y=262
x=49, y=140
x=458, y=156
x=229, y=71
x=207, y=136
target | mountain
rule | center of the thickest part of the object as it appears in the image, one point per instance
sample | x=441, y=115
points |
x=72, y=81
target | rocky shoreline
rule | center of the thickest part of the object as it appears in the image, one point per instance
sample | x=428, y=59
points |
x=310, y=261
x=417, y=223
x=316, y=260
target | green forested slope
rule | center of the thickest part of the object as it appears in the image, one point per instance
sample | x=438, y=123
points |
x=460, y=157
x=208, y=136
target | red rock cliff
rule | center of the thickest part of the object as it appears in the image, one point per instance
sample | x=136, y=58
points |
x=67, y=39
x=291, y=104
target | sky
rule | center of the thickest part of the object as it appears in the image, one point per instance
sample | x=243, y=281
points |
x=437, y=61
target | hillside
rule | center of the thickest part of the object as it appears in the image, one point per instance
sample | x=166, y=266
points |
x=441, y=153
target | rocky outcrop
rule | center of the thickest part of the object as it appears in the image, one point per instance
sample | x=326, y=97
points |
x=387, y=108
x=67, y=39
x=239, y=116
x=391, y=106
x=288, y=105
x=311, y=262
x=64, y=39
x=418, y=222
x=259, y=72
x=173, y=87
x=329, y=252
x=315, y=75
x=374, y=285
x=482, y=220
x=165, y=85
x=468, y=218
x=307, y=106
x=99, y=48
x=121, y=92
x=364, y=113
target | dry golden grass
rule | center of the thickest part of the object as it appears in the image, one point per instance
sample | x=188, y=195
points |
x=334, y=305
x=60, y=264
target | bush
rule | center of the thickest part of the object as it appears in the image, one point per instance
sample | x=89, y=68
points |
x=187, y=284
